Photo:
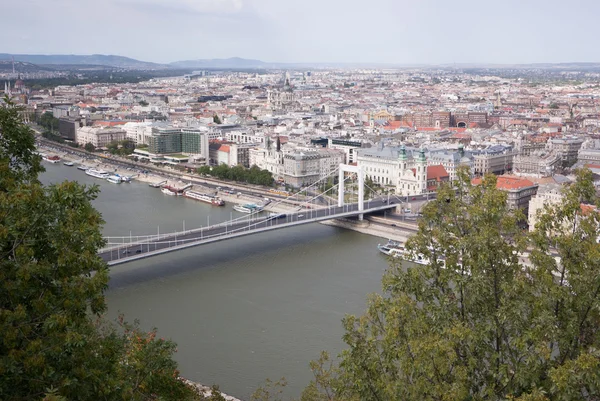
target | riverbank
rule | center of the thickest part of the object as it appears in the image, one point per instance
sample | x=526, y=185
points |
x=206, y=391
x=232, y=192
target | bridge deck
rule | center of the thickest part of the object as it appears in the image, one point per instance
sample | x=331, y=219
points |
x=176, y=241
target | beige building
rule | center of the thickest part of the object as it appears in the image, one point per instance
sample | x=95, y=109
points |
x=100, y=137
x=305, y=167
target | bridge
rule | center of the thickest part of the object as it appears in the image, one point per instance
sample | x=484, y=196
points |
x=125, y=249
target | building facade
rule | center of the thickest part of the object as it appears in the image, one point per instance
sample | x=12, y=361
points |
x=100, y=137
x=496, y=160
x=567, y=148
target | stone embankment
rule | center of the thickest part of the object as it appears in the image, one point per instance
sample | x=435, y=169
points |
x=376, y=229
x=206, y=391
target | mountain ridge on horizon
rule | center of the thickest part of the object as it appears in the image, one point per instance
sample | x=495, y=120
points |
x=116, y=61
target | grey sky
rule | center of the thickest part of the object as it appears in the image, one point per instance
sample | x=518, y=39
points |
x=389, y=31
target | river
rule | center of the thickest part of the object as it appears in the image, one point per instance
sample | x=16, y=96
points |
x=241, y=310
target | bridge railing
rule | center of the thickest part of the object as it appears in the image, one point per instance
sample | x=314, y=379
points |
x=350, y=209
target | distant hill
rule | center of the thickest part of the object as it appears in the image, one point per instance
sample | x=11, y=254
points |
x=233, y=62
x=21, y=66
x=93, y=59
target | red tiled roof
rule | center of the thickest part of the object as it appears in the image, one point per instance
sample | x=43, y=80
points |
x=508, y=182
x=224, y=148
x=436, y=172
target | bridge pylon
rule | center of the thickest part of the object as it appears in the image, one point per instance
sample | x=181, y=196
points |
x=361, y=186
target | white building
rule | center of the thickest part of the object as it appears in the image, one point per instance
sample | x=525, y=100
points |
x=382, y=165
x=138, y=132
x=100, y=137
x=549, y=194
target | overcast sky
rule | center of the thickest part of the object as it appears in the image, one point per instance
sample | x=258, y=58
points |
x=387, y=31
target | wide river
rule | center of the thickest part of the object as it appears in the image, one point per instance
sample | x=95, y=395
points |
x=241, y=310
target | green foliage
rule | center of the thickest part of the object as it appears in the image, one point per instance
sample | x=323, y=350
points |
x=53, y=137
x=143, y=103
x=216, y=119
x=252, y=175
x=18, y=163
x=48, y=121
x=270, y=391
x=122, y=148
x=476, y=322
x=89, y=147
x=53, y=343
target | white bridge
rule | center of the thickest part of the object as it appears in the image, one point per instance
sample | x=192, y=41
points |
x=128, y=248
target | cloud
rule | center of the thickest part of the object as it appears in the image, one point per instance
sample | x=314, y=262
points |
x=194, y=6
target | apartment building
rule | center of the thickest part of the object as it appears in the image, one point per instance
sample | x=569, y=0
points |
x=567, y=148
x=497, y=159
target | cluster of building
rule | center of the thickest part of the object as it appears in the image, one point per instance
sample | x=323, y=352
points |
x=410, y=130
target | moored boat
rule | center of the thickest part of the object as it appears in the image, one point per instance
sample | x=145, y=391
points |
x=70, y=164
x=51, y=159
x=175, y=191
x=97, y=173
x=392, y=248
x=115, y=179
x=396, y=250
x=168, y=191
x=248, y=208
x=213, y=200
x=82, y=167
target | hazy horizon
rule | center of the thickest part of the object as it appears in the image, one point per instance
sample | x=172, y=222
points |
x=401, y=32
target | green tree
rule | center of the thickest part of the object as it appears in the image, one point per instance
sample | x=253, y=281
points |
x=48, y=121
x=476, y=322
x=216, y=119
x=143, y=103
x=89, y=147
x=52, y=282
x=113, y=147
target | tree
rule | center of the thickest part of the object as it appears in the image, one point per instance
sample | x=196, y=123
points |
x=52, y=338
x=48, y=121
x=476, y=322
x=89, y=147
x=143, y=103
x=216, y=119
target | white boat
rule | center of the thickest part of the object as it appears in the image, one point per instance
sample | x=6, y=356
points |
x=249, y=208
x=70, y=164
x=115, y=179
x=397, y=250
x=97, y=173
x=167, y=191
x=392, y=248
x=213, y=200
x=82, y=167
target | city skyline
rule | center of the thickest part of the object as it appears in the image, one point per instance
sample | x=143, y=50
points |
x=381, y=31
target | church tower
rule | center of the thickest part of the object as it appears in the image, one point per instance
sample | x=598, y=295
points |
x=402, y=160
x=421, y=172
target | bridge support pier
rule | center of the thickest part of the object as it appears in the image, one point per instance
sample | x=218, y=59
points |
x=361, y=186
